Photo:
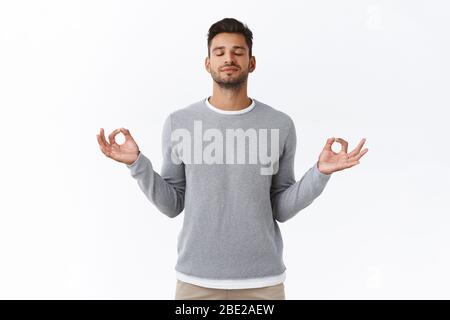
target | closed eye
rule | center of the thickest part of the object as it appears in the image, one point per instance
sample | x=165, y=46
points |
x=238, y=54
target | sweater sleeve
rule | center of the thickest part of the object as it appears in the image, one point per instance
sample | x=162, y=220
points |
x=287, y=196
x=166, y=190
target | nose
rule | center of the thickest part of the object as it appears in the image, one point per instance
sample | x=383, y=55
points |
x=229, y=59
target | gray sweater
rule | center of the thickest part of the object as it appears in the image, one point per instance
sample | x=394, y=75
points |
x=233, y=194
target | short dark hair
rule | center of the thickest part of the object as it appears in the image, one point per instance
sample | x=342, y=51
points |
x=231, y=25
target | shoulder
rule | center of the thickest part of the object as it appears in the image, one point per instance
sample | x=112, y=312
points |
x=187, y=111
x=180, y=116
x=275, y=114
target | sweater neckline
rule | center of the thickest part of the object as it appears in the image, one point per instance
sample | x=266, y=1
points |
x=230, y=112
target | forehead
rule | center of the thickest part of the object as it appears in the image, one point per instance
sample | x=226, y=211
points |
x=228, y=40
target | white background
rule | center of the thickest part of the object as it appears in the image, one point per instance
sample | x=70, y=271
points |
x=74, y=224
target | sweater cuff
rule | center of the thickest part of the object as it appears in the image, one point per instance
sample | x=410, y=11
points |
x=135, y=161
x=140, y=166
x=321, y=176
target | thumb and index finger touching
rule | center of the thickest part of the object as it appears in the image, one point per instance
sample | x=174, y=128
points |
x=112, y=136
x=332, y=140
x=329, y=143
x=102, y=139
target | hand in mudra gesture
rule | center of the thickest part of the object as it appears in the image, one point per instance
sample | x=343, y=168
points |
x=330, y=161
x=126, y=152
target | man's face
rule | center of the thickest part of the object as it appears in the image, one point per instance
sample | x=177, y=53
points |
x=229, y=62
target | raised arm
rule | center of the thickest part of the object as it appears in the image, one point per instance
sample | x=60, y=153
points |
x=166, y=190
x=287, y=195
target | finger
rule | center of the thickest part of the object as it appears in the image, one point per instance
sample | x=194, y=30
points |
x=104, y=146
x=126, y=133
x=358, y=156
x=100, y=142
x=351, y=164
x=103, y=139
x=112, y=135
x=328, y=144
x=104, y=150
x=358, y=148
x=343, y=143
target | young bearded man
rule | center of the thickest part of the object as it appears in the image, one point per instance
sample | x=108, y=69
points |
x=228, y=162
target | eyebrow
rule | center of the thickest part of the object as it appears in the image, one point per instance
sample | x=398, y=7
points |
x=223, y=47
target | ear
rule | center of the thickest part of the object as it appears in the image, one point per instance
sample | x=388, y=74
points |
x=207, y=64
x=252, y=64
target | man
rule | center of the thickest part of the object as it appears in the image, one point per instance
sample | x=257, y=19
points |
x=230, y=245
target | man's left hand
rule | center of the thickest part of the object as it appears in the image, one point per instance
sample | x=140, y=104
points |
x=330, y=161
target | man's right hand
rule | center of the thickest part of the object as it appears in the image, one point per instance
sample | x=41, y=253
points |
x=126, y=153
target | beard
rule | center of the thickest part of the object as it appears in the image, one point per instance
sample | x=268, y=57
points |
x=226, y=82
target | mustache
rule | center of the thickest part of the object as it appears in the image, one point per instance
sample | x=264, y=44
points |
x=231, y=65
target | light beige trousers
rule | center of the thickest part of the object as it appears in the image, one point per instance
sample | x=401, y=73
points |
x=188, y=291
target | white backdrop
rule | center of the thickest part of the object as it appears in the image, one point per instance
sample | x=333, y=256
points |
x=74, y=224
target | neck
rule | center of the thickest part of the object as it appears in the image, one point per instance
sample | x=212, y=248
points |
x=231, y=100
